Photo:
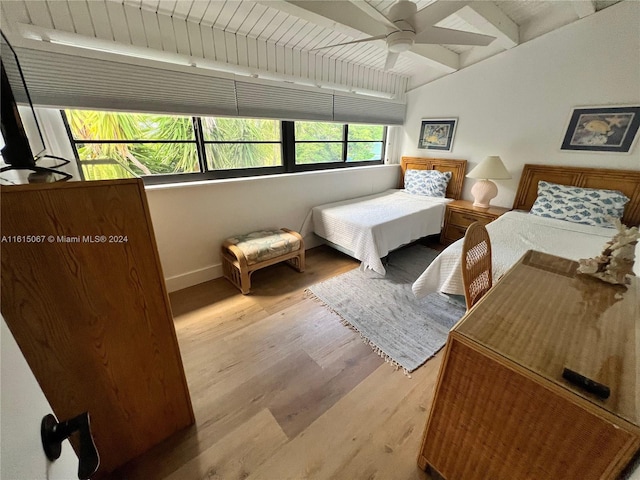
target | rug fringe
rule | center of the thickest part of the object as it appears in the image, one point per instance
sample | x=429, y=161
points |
x=396, y=366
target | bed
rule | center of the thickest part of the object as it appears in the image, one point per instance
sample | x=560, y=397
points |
x=368, y=228
x=517, y=231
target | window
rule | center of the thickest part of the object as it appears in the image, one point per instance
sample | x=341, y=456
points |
x=169, y=148
x=365, y=143
x=318, y=142
x=241, y=143
x=119, y=145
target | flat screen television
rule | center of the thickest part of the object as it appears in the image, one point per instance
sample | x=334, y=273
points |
x=20, y=150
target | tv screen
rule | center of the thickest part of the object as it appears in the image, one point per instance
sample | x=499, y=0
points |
x=20, y=128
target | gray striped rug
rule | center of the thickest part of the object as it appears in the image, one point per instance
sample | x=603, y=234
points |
x=403, y=330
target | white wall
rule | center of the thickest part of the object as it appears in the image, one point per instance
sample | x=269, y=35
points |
x=191, y=220
x=517, y=104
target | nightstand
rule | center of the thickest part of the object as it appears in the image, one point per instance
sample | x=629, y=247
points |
x=460, y=214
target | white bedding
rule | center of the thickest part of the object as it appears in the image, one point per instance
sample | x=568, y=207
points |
x=370, y=227
x=511, y=236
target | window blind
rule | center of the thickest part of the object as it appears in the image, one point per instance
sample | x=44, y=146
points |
x=60, y=80
x=63, y=80
x=284, y=103
x=364, y=110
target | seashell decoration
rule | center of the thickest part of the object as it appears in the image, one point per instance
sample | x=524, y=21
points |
x=616, y=260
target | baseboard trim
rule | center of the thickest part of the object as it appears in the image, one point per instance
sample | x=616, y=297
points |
x=201, y=275
x=194, y=277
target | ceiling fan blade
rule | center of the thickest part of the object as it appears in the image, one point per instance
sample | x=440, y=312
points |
x=375, y=14
x=369, y=39
x=447, y=36
x=433, y=13
x=392, y=57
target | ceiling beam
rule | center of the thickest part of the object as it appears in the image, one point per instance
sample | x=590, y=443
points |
x=584, y=8
x=489, y=19
x=350, y=20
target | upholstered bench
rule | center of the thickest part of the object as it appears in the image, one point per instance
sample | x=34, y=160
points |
x=244, y=254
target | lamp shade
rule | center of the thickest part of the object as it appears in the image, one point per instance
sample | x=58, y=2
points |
x=490, y=168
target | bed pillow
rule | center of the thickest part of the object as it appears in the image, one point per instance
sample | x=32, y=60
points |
x=589, y=206
x=431, y=183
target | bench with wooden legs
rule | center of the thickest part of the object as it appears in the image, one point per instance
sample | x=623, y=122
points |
x=244, y=254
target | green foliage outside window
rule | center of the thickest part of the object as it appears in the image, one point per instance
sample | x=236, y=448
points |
x=318, y=131
x=223, y=156
x=121, y=145
x=320, y=152
x=359, y=152
x=371, y=136
x=240, y=129
x=229, y=154
x=137, y=158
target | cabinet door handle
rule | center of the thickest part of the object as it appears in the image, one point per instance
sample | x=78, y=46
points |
x=54, y=433
x=471, y=219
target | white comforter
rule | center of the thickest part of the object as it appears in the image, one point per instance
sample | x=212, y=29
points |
x=511, y=236
x=370, y=227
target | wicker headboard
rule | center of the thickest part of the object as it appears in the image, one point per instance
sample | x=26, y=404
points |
x=626, y=181
x=456, y=167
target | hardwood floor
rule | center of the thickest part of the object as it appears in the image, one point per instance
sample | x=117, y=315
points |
x=282, y=390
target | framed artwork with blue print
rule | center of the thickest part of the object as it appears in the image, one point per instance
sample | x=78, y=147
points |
x=437, y=134
x=602, y=129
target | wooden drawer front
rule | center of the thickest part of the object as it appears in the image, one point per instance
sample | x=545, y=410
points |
x=489, y=421
x=452, y=232
x=464, y=219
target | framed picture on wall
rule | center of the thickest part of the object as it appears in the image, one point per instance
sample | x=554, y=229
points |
x=437, y=134
x=602, y=129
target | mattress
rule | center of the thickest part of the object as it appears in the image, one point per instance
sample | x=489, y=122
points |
x=511, y=236
x=368, y=228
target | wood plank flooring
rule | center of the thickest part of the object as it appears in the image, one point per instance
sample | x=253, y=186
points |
x=282, y=390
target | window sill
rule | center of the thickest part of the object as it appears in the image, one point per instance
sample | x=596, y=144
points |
x=199, y=183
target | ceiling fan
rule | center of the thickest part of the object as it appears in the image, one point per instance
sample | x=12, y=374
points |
x=407, y=27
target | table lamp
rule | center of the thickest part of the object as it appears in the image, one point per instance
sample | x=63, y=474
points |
x=484, y=190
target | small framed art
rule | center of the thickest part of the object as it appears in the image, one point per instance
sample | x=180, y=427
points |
x=437, y=134
x=602, y=129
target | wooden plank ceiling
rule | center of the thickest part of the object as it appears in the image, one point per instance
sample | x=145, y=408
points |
x=279, y=39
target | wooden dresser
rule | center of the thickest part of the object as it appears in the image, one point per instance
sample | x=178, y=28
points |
x=459, y=214
x=84, y=296
x=502, y=409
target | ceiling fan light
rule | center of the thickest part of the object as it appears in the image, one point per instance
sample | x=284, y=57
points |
x=399, y=47
x=398, y=42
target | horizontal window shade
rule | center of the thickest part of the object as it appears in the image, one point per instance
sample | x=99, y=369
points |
x=61, y=80
x=68, y=81
x=259, y=100
x=365, y=110
x=15, y=81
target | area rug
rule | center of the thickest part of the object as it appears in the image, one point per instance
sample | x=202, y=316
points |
x=404, y=331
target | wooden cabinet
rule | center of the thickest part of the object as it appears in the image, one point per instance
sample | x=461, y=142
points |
x=460, y=214
x=84, y=296
x=502, y=409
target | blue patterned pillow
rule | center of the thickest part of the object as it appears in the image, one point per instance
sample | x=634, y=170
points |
x=426, y=182
x=589, y=206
